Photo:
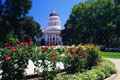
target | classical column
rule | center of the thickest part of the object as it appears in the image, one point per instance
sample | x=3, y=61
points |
x=52, y=37
x=49, y=37
x=55, y=37
x=45, y=37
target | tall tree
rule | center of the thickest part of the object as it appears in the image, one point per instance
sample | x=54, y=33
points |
x=16, y=10
x=92, y=22
x=117, y=19
x=14, y=21
x=30, y=28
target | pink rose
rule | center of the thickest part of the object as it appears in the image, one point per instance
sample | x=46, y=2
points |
x=54, y=51
x=7, y=58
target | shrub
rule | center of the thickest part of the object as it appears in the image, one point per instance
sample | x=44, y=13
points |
x=76, y=59
x=14, y=59
x=80, y=58
x=47, y=60
x=100, y=72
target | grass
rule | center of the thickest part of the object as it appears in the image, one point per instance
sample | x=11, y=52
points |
x=115, y=55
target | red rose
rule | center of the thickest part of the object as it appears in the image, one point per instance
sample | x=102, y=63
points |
x=26, y=43
x=7, y=58
x=80, y=53
x=15, y=43
x=42, y=47
x=11, y=47
x=74, y=56
x=73, y=53
x=54, y=58
x=48, y=44
x=84, y=57
x=52, y=44
x=71, y=49
x=20, y=45
x=30, y=44
x=46, y=48
x=30, y=39
x=51, y=55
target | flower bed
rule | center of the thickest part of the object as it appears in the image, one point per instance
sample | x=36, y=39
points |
x=76, y=59
x=105, y=69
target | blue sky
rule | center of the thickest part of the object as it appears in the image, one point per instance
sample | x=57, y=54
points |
x=42, y=8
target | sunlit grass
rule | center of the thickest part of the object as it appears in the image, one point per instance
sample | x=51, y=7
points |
x=115, y=55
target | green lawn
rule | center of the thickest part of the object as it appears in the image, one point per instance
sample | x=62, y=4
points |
x=115, y=55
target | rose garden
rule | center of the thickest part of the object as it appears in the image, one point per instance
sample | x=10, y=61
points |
x=87, y=48
x=81, y=62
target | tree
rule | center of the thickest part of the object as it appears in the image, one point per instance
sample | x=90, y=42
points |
x=117, y=19
x=30, y=28
x=92, y=21
x=15, y=10
x=15, y=21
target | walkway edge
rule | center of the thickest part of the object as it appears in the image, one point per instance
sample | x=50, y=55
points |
x=117, y=66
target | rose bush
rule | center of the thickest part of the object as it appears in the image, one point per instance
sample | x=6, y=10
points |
x=80, y=58
x=14, y=59
x=46, y=61
x=75, y=59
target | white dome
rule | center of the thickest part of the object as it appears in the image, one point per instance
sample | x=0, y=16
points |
x=54, y=21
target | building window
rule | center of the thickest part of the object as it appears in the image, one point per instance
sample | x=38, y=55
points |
x=53, y=38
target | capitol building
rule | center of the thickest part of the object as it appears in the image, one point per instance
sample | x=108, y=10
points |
x=52, y=32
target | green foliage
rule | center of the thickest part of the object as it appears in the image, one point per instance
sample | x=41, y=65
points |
x=75, y=59
x=46, y=61
x=82, y=61
x=11, y=37
x=30, y=27
x=14, y=59
x=93, y=21
x=79, y=59
x=100, y=72
x=13, y=19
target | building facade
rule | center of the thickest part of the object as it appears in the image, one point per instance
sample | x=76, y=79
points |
x=52, y=32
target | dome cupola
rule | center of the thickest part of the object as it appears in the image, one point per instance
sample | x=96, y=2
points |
x=53, y=13
x=54, y=21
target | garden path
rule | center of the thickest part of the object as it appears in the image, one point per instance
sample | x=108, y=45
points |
x=117, y=65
